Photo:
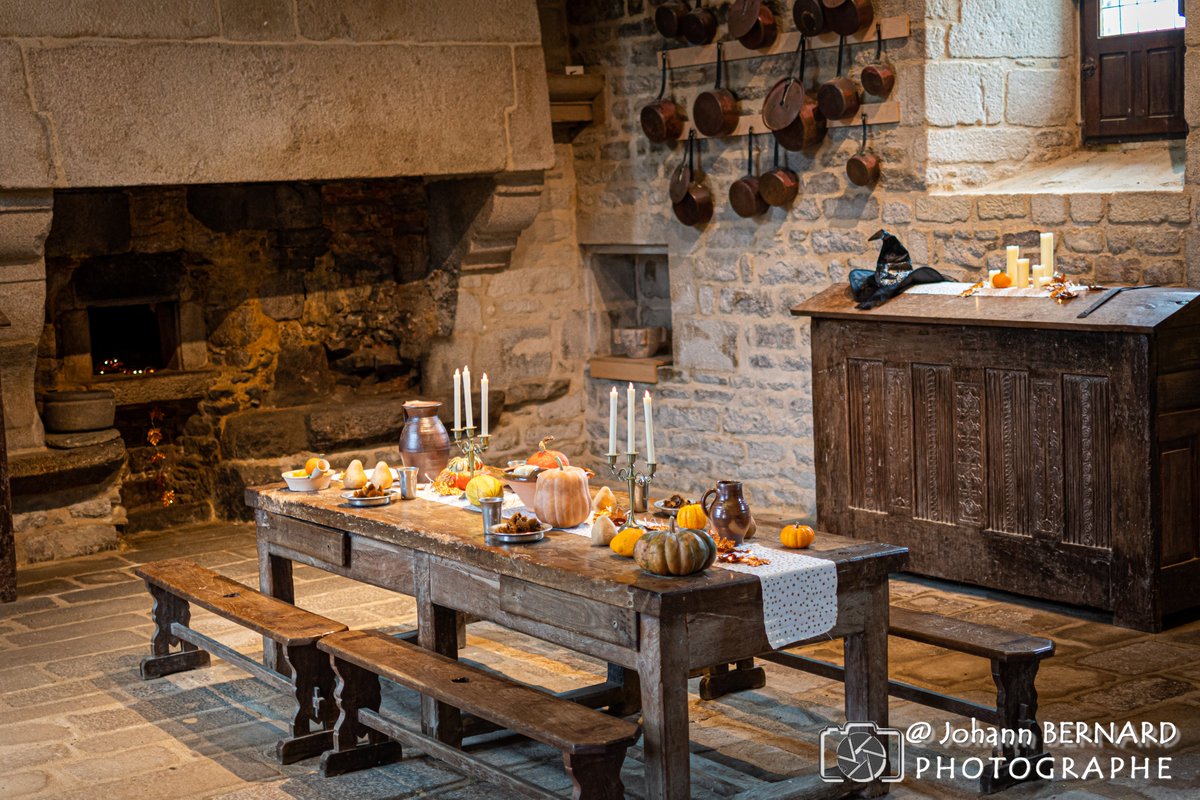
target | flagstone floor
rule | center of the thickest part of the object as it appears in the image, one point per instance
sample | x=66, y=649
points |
x=76, y=722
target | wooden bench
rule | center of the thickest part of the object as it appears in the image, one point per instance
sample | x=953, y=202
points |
x=176, y=583
x=1015, y=659
x=593, y=744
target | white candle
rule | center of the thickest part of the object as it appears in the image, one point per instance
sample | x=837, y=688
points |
x=631, y=400
x=1022, y=280
x=648, y=408
x=457, y=399
x=1048, y=251
x=467, y=396
x=612, y=422
x=1012, y=255
x=483, y=404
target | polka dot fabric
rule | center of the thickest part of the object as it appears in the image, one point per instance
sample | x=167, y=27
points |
x=799, y=594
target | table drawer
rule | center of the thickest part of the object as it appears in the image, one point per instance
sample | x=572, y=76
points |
x=306, y=538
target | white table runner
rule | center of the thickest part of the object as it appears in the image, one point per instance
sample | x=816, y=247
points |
x=799, y=593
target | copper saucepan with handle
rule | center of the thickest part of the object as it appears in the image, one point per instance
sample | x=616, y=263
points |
x=863, y=167
x=753, y=24
x=744, y=194
x=715, y=112
x=696, y=206
x=779, y=186
x=878, y=79
x=838, y=97
x=791, y=112
x=668, y=18
x=848, y=17
x=662, y=120
x=699, y=25
x=809, y=16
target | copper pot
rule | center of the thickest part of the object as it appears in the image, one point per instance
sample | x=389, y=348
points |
x=714, y=111
x=878, y=79
x=848, y=16
x=779, y=186
x=809, y=16
x=696, y=205
x=681, y=176
x=863, y=167
x=753, y=24
x=838, y=97
x=698, y=26
x=424, y=443
x=791, y=113
x=744, y=194
x=668, y=18
x=662, y=120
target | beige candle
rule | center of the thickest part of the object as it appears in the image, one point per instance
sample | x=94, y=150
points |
x=1012, y=255
x=1048, y=251
x=1022, y=279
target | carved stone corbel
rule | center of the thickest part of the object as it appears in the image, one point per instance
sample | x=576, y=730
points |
x=475, y=222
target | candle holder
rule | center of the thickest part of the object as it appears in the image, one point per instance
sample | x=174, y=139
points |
x=471, y=446
x=632, y=477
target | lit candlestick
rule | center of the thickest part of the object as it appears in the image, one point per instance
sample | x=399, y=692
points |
x=1022, y=280
x=483, y=405
x=467, y=396
x=1012, y=255
x=632, y=403
x=457, y=399
x=612, y=422
x=648, y=408
x=1048, y=252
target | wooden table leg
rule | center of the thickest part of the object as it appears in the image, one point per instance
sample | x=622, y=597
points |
x=663, y=669
x=866, y=655
x=631, y=691
x=437, y=630
x=275, y=580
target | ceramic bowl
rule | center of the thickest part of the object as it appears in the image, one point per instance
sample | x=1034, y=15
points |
x=303, y=483
x=525, y=487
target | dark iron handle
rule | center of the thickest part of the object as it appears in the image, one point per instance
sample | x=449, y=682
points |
x=662, y=87
x=862, y=148
x=750, y=152
x=720, y=47
x=841, y=52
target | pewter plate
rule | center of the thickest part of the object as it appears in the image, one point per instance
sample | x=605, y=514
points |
x=518, y=538
x=370, y=502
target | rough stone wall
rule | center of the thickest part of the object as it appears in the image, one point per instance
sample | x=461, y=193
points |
x=737, y=402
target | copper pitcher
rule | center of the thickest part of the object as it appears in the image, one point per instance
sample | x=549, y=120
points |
x=424, y=442
x=728, y=514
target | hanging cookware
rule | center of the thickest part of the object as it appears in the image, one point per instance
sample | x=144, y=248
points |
x=791, y=112
x=696, y=207
x=838, y=97
x=744, y=196
x=780, y=185
x=662, y=120
x=848, y=16
x=668, y=18
x=809, y=16
x=878, y=78
x=714, y=111
x=681, y=176
x=699, y=25
x=752, y=23
x=863, y=168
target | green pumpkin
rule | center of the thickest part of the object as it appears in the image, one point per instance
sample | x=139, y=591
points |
x=682, y=551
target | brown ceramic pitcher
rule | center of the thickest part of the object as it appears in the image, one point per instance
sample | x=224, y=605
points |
x=728, y=514
x=424, y=443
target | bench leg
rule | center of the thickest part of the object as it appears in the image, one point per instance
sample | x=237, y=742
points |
x=169, y=609
x=1016, y=701
x=313, y=684
x=720, y=680
x=596, y=776
x=356, y=688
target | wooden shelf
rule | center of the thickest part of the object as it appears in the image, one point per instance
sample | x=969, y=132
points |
x=621, y=368
x=682, y=57
x=573, y=97
x=885, y=113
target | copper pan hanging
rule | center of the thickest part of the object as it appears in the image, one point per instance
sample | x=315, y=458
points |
x=696, y=205
x=699, y=25
x=662, y=120
x=668, y=18
x=878, y=79
x=780, y=185
x=714, y=112
x=848, y=17
x=744, y=195
x=753, y=24
x=838, y=97
x=863, y=167
x=791, y=112
x=809, y=16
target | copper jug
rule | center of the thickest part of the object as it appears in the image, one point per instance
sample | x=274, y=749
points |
x=424, y=443
x=728, y=514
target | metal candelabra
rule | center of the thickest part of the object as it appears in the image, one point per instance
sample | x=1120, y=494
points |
x=470, y=445
x=632, y=477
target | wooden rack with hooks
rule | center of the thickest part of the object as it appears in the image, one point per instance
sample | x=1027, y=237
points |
x=885, y=113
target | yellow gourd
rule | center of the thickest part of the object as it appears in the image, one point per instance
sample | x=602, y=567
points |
x=797, y=536
x=692, y=516
x=625, y=541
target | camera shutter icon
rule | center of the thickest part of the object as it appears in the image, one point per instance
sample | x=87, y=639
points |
x=862, y=757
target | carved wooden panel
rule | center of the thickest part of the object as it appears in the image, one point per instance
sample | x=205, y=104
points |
x=898, y=465
x=933, y=443
x=1008, y=440
x=867, y=419
x=968, y=453
x=1045, y=409
x=1181, y=502
x=1086, y=460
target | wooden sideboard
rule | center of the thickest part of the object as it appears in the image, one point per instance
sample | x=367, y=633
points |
x=1010, y=444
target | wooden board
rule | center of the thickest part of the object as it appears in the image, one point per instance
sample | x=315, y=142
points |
x=965, y=636
x=885, y=113
x=621, y=368
x=786, y=44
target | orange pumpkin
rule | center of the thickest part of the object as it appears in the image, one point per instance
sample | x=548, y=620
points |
x=548, y=459
x=797, y=536
x=561, y=498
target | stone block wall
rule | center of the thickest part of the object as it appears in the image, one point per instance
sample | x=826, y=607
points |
x=737, y=402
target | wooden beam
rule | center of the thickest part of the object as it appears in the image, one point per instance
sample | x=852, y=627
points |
x=788, y=43
x=620, y=368
x=885, y=113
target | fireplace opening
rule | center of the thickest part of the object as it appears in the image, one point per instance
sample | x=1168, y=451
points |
x=136, y=339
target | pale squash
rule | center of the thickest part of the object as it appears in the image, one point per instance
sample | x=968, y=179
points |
x=692, y=516
x=679, y=551
x=797, y=536
x=603, y=531
x=561, y=498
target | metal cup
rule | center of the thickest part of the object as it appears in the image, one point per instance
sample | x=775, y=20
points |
x=639, y=497
x=408, y=483
x=490, y=506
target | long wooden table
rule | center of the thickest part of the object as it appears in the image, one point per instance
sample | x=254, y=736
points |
x=653, y=631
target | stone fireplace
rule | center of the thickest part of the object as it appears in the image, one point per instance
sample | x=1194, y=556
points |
x=273, y=229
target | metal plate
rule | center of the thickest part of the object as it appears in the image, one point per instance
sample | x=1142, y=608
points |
x=782, y=104
x=743, y=14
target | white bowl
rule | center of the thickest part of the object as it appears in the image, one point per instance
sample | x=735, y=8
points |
x=307, y=484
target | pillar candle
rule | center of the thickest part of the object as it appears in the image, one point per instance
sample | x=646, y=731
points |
x=1012, y=255
x=467, y=396
x=612, y=422
x=1022, y=280
x=631, y=401
x=457, y=399
x=483, y=404
x=648, y=408
x=1048, y=252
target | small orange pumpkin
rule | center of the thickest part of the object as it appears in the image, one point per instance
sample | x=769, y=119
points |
x=692, y=516
x=797, y=536
x=548, y=459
